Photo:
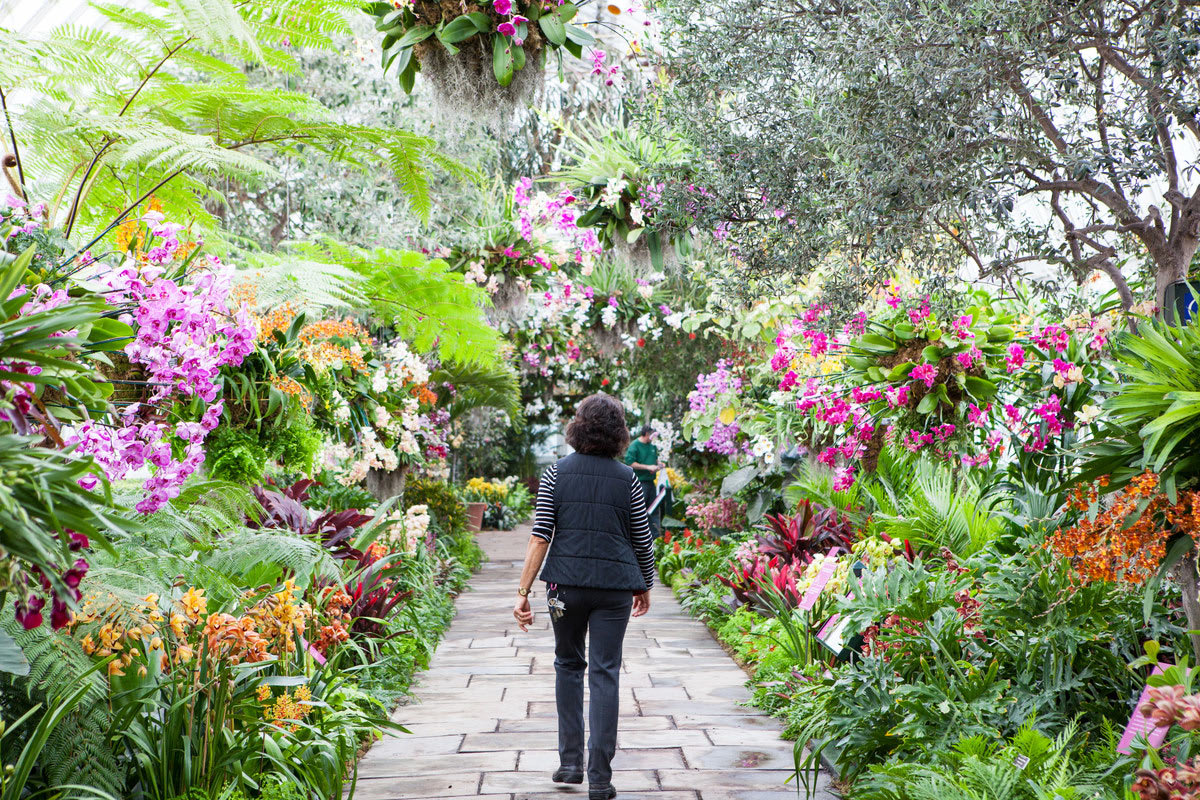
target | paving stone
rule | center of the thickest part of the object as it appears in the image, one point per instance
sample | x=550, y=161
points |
x=525, y=740
x=381, y=767
x=672, y=693
x=495, y=642
x=548, y=723
x=408, y=788
x=668, y=707
x=748, y=719
x=659, y=758
x=487, y=669
x=624, y=780
x=728, y=779
x=744, y=737
x=398, y=747
x=739, y=757
x=548, y=709
x=449, y=727
x=638, y=739
x=575, y=791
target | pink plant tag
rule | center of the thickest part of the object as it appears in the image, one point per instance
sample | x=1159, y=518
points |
x=1140, y=724
x=818, y=585
x=828, y=627
x=314, y=652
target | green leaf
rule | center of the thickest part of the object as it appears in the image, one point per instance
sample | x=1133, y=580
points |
x=579, y=36
x=389, y=19
x=931, y=354
x=574, y=48
x=900, y=371
x=980, y=388
x=555, y=29
x=928, y=404
x=519, y=57
x=416, y=34
x=502, y=61
x=568, y=11
x=12, y=660
x=457, y=30
x=109, y=334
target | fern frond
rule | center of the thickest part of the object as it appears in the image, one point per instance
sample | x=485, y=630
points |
x=79, y=750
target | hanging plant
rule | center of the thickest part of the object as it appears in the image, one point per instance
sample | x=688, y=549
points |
x=497, y=38
x=618, y=178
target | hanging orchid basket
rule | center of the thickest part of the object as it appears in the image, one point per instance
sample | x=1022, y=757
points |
x=472, y=50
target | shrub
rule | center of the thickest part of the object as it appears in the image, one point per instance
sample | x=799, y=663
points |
x=449, y=513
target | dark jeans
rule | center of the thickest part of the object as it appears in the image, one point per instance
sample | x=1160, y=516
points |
x=650, y=492
x=602, y=615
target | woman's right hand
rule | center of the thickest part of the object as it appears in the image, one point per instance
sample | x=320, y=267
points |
x=641, y=603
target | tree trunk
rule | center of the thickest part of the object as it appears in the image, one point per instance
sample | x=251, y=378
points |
x=1174, y=267
x=383, y=486
x=1189, y=583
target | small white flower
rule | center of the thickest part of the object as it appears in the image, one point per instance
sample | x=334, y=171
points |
x=1087, y=415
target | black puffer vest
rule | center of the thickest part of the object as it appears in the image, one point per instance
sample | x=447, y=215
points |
x=592, y=544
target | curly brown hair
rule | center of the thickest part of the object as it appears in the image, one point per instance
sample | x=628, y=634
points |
x=599, y=427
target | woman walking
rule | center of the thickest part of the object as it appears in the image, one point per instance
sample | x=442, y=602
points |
x=591, y=517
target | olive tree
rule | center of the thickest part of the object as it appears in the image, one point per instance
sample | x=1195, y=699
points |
x=1020, y=134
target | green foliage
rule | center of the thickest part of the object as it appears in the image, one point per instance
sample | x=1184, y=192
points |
x=425, y=302
x=939, y=508
x=979, y=768
x=78, y=750
x=448, y=512
x=235, y=455
x=157, y=94
x=1153, y=412
x=902, y=132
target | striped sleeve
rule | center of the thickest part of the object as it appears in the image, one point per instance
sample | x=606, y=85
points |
x=543, y=512
x=643, y=543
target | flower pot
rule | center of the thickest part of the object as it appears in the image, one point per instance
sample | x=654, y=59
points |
x=475, y=516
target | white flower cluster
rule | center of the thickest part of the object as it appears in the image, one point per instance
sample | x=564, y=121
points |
x=666, y=437
x=416, y=527
x=763, y=449
x=403, y=366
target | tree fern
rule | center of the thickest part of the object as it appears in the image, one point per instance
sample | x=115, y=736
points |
x=158, y=96
x=487, y=386
x=245, y=552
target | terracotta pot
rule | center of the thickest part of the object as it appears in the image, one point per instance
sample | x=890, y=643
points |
x=475, y=516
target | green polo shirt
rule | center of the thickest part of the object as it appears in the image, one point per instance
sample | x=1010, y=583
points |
x=643, y=453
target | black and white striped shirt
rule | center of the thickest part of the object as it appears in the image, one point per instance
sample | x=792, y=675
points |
x=643, y=545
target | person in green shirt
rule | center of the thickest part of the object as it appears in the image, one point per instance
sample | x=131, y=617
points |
x=642, y=456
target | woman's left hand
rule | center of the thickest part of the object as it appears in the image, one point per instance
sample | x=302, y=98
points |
x=523, y=613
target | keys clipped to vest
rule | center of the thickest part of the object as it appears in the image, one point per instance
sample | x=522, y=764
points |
x=554, y=602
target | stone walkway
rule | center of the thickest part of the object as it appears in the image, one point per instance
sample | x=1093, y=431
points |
x=483, y=721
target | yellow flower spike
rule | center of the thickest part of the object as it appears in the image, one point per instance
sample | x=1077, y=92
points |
x=141, y=671
x=156, y=643
x=263, y=692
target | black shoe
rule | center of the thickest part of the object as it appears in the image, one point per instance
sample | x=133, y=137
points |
x=604, y=792
x=568, y=775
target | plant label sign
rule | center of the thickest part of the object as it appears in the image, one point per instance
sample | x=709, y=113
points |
x=818, y=585
x=1140, y=724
